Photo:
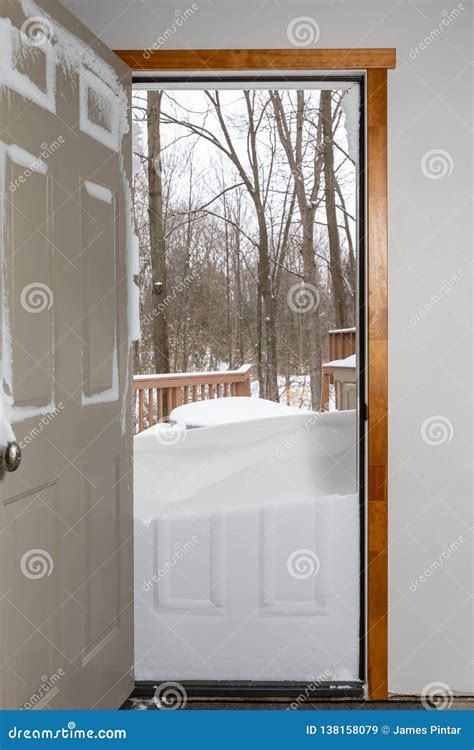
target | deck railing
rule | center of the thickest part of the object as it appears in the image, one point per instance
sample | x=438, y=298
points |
x=155, y=396
x=342, y=344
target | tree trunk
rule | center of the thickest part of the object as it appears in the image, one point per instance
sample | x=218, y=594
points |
x=269, y=309
x=238, y=284
x=335, y=264
x=157, y=239
x=229, y=320
x=185, y=292
x=261, y=383
x=351, y=262
x=136, y=358
x=313, y=323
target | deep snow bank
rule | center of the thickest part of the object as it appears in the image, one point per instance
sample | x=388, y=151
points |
x=247, y=550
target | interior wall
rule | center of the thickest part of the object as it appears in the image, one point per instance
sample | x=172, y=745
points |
x=430, y=181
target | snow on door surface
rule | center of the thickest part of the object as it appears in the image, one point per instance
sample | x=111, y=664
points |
x=247, y=550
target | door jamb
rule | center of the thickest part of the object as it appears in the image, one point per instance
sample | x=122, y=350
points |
x=375, y=63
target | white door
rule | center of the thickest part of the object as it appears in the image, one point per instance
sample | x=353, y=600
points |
x=66, y=600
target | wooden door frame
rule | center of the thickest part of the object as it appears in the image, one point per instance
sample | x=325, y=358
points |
x=374, y=63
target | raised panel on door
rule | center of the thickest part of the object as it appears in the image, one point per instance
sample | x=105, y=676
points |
x=101, y=593
x=30, y=594
x=98, y=225
x=28, y=336
x=189, y=557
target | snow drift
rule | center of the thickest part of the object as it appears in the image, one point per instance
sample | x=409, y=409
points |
x=247, y=550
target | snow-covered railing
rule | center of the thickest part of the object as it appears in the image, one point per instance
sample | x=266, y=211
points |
x=155, y=396
x=342, y=346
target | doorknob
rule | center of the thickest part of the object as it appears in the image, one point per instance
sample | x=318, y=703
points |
x=10, y=457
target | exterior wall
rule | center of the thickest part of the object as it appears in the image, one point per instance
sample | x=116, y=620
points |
x=430, y=92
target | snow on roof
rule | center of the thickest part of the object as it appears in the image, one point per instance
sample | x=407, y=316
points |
x=349, y=362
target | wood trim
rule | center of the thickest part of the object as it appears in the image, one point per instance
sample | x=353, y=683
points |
x=258, y=59
x=375, y=62
x=377, y=385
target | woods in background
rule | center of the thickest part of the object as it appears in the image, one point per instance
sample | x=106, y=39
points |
x=244, y=206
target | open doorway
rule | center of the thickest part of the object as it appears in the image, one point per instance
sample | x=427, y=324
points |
x=248, y=455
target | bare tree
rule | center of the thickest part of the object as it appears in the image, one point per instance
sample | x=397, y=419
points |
x=252, y=179
x=157, y=232
x=307, y=192
x=350, y=274
x=238, y=208
x=330, y=188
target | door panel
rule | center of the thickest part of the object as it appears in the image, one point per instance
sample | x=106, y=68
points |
x=98, y=231
x=66, y=513
x=29, y=255
x=102, y=591
x=29, y=551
